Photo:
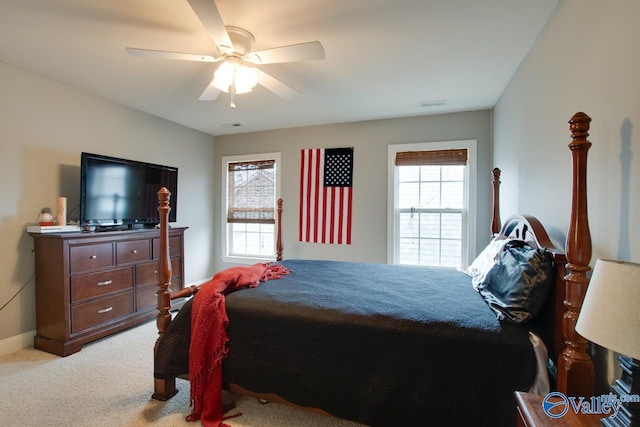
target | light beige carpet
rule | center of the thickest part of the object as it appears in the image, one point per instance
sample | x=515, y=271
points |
x=109, y=383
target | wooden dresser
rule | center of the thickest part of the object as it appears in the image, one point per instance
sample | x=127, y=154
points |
x=90, y=285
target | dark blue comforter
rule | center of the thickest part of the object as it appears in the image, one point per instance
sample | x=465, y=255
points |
x=379, y=344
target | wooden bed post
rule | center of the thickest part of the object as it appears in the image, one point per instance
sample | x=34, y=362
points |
x=163, y=388
x=279, y=245
x=575, y=368
x=496, y=224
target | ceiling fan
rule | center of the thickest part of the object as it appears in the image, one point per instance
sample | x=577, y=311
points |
x=237, y=71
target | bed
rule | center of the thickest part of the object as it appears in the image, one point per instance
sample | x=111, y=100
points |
x=392, y=345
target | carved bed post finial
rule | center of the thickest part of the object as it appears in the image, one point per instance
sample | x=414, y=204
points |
x=575, y=368
x=579, y=127
x=496, y=224
x=279, y=244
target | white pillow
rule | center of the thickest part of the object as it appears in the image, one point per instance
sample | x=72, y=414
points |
x=485, y=260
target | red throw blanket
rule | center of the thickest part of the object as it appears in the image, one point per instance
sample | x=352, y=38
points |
x=209, y=337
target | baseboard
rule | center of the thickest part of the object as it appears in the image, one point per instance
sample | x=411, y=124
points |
x=16, y=343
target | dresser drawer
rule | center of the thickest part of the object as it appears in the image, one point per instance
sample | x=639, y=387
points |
x=99, y=311
x=147, y=274
x=146, y=296
x=95, y=284
x=175, y=246
x=90, y=257
x=133, y=251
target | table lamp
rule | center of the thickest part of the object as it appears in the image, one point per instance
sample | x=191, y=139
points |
x=610, y=317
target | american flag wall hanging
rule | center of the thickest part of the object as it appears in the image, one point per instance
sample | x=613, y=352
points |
x=326, y=195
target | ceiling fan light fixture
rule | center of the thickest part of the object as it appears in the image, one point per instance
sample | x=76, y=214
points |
x=237, y=62
x=235, y=73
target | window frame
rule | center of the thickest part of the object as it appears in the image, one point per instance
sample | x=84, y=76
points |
x=225, y=226
x=469, y=217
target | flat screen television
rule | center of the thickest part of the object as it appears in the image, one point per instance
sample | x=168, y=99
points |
x=119, y=193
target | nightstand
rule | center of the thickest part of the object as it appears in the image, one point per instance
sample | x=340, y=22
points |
x=531, y=414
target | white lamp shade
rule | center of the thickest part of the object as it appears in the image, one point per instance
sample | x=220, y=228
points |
x=610, y=314
x=235, y=72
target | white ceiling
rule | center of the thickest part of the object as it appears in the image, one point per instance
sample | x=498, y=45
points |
x=384, y=58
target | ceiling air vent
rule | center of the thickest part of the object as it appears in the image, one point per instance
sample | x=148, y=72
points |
x=434, y=103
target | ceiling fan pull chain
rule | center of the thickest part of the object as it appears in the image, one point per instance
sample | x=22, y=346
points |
x=232, y=93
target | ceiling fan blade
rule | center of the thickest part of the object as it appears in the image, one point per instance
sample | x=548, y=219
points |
x=210, y=93
x=276, y=86
x=208, y=14
x=296, y=52
x=161, y=54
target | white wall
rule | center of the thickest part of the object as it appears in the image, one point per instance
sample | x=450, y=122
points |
x=586, y=59
x=370, y=140
x=44, y=126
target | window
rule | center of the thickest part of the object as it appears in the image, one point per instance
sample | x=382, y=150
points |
x=251, y=188
x=432, y=204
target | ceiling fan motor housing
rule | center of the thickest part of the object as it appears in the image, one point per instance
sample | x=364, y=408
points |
x=241, y=39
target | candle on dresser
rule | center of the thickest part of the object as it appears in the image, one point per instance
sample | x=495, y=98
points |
x=61, y=219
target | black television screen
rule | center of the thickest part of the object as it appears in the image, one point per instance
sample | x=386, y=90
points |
x=118, y=192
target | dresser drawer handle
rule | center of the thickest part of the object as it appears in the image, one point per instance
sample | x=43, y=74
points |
x=105, y=283
x=93, y=256
x=135, y=251
x=105, y=310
